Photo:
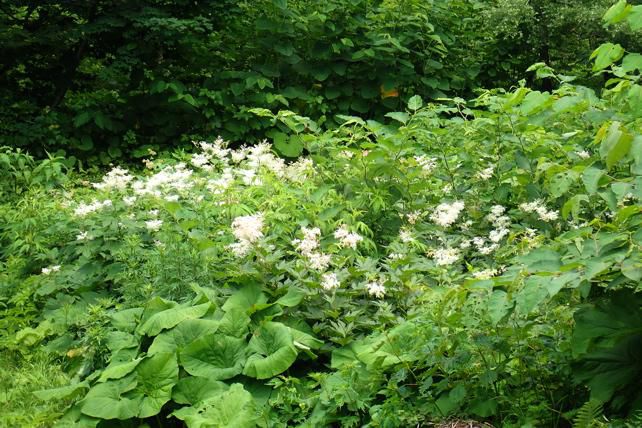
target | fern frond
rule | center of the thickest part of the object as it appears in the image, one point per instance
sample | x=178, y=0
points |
x=588, y=414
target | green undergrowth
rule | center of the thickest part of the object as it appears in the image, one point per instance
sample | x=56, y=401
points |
x=472, y=259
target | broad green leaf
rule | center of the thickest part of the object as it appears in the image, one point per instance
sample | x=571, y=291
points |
x=635, y=18
x=534, y=101
x=573, y=206
x=271, y=351
x=170, y=318
x=182, y=335
x=632, y=266
x=605, y=55
x=214, y=356
x=233, y=408
x=615, y=145
x=591, y=178
x=498, y=306
x=234, y=323
x=195, y=389
x=542, y=260
x=249, y=299
x=119, y=370
x=105, y=401
x=116, y=340
x=292, y=298
x=632, y=62
x=415, y=103
x=155, y=377
x=617, y=12
x=399, y=116
x=531, y=295
x=62, y=392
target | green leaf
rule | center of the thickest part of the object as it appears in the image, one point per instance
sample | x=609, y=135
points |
x=62, y=392
x=292, y=298
x=234, y=408
x=498, y=306
x=632, y=266
x=81, y=119
x=155, y=378
x=117, y=371
x=105, y=401
x=605, y=55
x=249, y=298
x=214, y=356
x=272, y=351
x=615, y=145
x=533, y=102
x=170, y=318
x=632, y=62
x=182, y=335
x=573, y=206
x=399, y=116
x=591, y=178
x=531, y=295
x=542, y=260
x=617, y=12
x=415, y=103
x=635, y=18
x=195, y=389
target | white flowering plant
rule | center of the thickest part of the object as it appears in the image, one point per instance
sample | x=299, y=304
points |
x=397, y=272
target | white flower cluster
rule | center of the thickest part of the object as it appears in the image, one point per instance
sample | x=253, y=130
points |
x=446, y=214
x=84, y=209
x=220, y=185
x=538, y=207
x=414, y=216
x=426, y=164
x=300, y=170
x=217, y=149
x=376, y=289
x=117, y=178
x=177, y=178
x=486, y=173
x=445, y=256
x=50, y=269
x=484, y=249
x=583, y=154
x=201, y=160
x=347, y=238
x=153, y=225
x=486, y=273
x=308, y=246
x=329, y=281
x=405, y=236
x=500, y=221
x=247, y=230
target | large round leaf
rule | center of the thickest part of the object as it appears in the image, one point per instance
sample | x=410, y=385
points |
x=182, y=335
x=105, y=401
x=234, y=408
x=214, y=356
x=171, y=317
x=272, y=351
x=156, y=376
x=196, y=389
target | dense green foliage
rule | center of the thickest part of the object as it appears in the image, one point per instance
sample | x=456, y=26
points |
x=421, y=261
x=104, y=80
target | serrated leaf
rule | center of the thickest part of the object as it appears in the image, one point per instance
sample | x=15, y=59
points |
x=415, y=103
